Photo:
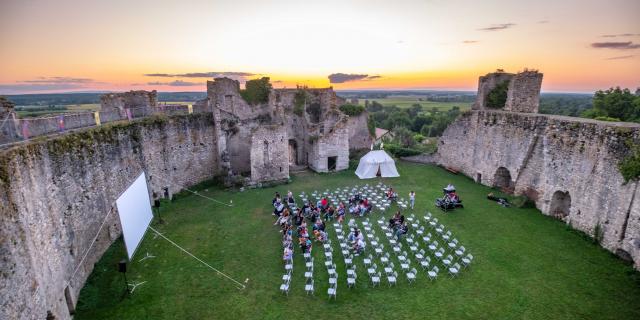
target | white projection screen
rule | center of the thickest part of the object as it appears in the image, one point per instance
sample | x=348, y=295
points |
x=134, y=208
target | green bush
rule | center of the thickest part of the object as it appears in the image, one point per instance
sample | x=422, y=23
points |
x=497, y=97
x=629, y=167
x=256, y=91
x=399, y=151
x=299, y=100
x=352, y=109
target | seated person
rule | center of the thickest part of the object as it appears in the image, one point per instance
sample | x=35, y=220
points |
x=288, y=254
x=305, y=208
x=298, y=220
x=319, y=225
x=320, y=235
x=278, y=208
x=358, y=246
x=353, y=209
x=283, y=218
x=401, y=230
x=324, y=204
x=276, y=198
x=328, y=215
x=290, y=199
x=341, y=212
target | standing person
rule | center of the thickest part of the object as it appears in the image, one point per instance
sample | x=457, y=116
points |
x=412, y=199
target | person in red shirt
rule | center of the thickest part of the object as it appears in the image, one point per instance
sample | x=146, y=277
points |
x=325, y=203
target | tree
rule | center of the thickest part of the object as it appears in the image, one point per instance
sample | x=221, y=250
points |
x=398, y=119
x=420, y=121
x=256, y=91
x=616, y=103
x=414, y=110
x=497, y=97
x=374, y=106
x=403, y=137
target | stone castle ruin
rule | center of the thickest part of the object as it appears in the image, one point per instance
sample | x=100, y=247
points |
x=58, y=192
x=567, y=166
x=296, y=127
x=132, y=99
x=523, y=90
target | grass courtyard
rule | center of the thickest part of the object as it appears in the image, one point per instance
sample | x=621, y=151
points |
x=526, y=266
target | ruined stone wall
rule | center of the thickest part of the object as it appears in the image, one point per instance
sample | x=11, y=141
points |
x=55, y=193
x=131, y=99
x=548, y=154
x=487, y=83
x=359, y=135
x=335, y=144
x=269, y=154
x=524, y=92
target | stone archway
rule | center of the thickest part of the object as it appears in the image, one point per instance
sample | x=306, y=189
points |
x=502, y=179
x=560, y=204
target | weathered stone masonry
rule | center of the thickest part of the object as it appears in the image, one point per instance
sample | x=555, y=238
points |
x=54, y=194
x=568, y=166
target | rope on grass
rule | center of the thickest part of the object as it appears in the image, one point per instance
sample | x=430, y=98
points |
x=241, y=286
x=196, y=193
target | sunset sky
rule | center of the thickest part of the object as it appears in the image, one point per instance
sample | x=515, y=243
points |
x=84, y=45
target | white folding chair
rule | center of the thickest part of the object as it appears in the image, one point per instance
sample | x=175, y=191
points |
x=411, y=276
x=454, y=270
x=392, y=278
x=332, y=292
x=467, y=260
x=447, y=261
x=284, y=287
x=375, y=279
x=433, y=273
x=308, y=288
x=460, y=251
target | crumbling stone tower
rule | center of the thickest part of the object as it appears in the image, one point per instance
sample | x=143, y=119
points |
x=523, y=93
x=132, y=99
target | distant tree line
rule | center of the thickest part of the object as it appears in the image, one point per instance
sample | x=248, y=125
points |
x=409, y=126
x=615, y=104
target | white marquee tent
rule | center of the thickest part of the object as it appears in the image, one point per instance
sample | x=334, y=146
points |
x=376, y=161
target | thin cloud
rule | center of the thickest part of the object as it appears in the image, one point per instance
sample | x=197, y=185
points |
x=59, y=80
x=177, y=83
x=470, y=41
x=620, y=57
x=620, y=35
x=498, y=27
x=622, y=45
x=40, y=84
x=211, y=74
x=348, y=77
x=543, y=21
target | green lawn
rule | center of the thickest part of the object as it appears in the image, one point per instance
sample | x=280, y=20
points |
x=527, y=265
x=408, y=101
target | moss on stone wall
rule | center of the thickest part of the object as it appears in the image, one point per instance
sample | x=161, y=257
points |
x=629, y=166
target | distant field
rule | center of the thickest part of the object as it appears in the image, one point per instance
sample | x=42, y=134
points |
x=408, y=101
x=38, y=110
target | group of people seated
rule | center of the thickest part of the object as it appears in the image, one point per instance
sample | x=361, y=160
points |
x=294, y=224
x=398, y=224
x=450, y=199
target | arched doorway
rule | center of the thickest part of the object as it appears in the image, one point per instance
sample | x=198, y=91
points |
x=560, y=204
x=293, y=152
x=502, y=180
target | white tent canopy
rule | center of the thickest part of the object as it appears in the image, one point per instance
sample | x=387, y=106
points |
x=374, y=161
